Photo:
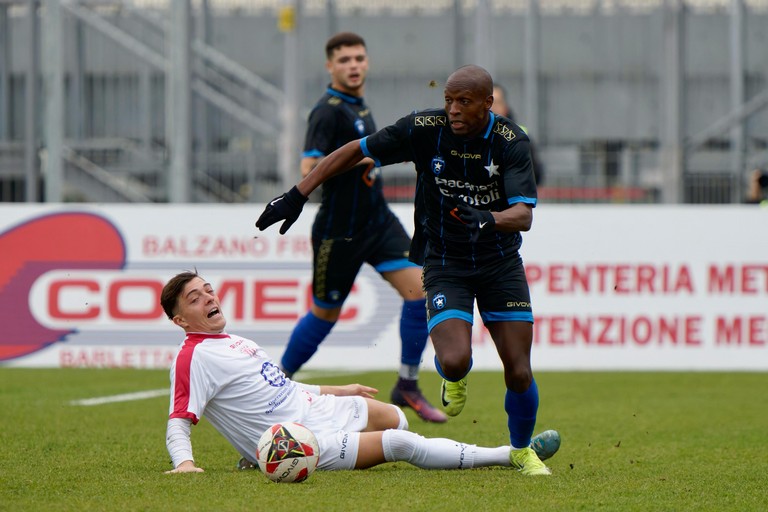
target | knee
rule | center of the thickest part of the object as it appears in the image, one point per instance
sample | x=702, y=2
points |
x=455, y=366
x=518, y=378
x=382, y=416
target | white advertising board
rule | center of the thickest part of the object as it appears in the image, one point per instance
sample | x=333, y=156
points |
x=613, y=287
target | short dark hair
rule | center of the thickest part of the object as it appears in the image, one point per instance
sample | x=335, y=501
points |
x=169, y=297
x=342, y=39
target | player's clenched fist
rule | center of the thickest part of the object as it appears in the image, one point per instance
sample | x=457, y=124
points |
x=286, y=207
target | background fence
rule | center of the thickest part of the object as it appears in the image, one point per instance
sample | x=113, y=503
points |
x=179, y=101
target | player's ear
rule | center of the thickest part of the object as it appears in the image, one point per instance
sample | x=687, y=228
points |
x=489, y=102
x=179, y=320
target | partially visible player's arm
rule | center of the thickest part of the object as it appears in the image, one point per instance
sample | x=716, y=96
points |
x=346, y=390
x=349, y=390
x=517, y=217
x=179, y=444
x=336, y=163
x=310, y=162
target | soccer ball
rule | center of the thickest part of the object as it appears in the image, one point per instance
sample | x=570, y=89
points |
x=287, y=452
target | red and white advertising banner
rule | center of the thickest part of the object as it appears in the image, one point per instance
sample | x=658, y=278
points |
x=613, y=287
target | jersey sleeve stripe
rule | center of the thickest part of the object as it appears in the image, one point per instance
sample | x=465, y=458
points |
x=522, y=199
x=181, y=385
x=312, y=153
x=366, y=151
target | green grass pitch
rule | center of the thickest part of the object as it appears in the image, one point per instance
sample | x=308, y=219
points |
x=631, y=441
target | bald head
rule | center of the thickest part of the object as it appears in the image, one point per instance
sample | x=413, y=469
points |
x=471, y=78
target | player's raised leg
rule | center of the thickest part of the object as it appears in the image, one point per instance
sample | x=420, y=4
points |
x=453, y=359
x=413, y=336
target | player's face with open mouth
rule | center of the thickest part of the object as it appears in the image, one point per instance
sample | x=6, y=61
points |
x=467, y=110
x=348, y=68
x=199, y=309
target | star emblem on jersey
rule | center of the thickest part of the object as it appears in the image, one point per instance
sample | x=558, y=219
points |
x=492, y=170
x=438, y=301
x=438, y=164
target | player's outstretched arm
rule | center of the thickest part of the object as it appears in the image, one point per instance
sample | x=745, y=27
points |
x=288, y=206
x=349, y=390
x=179, y=444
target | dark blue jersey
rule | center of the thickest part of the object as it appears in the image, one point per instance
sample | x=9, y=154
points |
x=352, y=203
x=490, y=172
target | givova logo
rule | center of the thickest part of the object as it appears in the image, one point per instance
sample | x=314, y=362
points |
x=70, y=240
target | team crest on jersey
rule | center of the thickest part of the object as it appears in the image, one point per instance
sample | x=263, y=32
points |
x=438, y=164
x=360, y=126
x=273, y=375
x=439, y=301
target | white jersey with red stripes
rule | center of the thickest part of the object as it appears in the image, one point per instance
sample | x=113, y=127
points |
x=234, y=383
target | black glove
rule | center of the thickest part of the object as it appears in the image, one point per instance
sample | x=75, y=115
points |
x=288, y=206
x=476, y=220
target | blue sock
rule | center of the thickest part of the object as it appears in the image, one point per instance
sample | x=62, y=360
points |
x=413, y=331
x=521, y=414
x=440, y=370
x=305, y=338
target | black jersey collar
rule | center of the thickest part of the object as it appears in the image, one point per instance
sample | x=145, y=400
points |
x=346, y=97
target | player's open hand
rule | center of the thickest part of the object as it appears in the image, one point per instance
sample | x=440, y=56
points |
x=187, y=466
x=476, y=220
x=285, y=207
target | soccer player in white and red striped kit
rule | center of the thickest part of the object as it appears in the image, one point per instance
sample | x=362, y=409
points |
x=234, y=383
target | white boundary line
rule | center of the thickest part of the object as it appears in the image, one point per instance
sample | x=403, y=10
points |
x=125, y=397
x=153, y=393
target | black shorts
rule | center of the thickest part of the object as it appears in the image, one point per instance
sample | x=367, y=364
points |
x=337, y=261
x=501, y=291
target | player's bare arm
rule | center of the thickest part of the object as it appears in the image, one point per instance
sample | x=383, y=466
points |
x=518, y=217
x=309, y=163
x=349, y=390
x=332, y=165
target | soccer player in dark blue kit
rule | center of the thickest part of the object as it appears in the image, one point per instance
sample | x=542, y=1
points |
x=354, y=225
x=475, y=194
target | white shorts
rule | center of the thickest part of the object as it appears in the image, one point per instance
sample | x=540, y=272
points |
x=337, y=421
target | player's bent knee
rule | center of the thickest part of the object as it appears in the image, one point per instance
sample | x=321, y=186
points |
x=383, y=416
x=403, y=421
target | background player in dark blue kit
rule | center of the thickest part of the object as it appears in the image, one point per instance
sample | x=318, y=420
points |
x=354, y=225
x=474, y=195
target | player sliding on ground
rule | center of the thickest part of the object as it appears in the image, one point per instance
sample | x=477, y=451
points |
x=237, y=386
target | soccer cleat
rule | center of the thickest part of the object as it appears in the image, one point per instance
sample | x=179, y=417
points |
x=244, y=464
x=406, y=393
x=527, y=462
x=546, y=444
x=454, y=396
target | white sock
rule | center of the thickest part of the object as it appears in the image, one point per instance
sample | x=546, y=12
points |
x=439, y=453
x=409, y=371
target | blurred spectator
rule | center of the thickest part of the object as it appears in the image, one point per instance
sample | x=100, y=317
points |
x=501, y=107
x=757, y=189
